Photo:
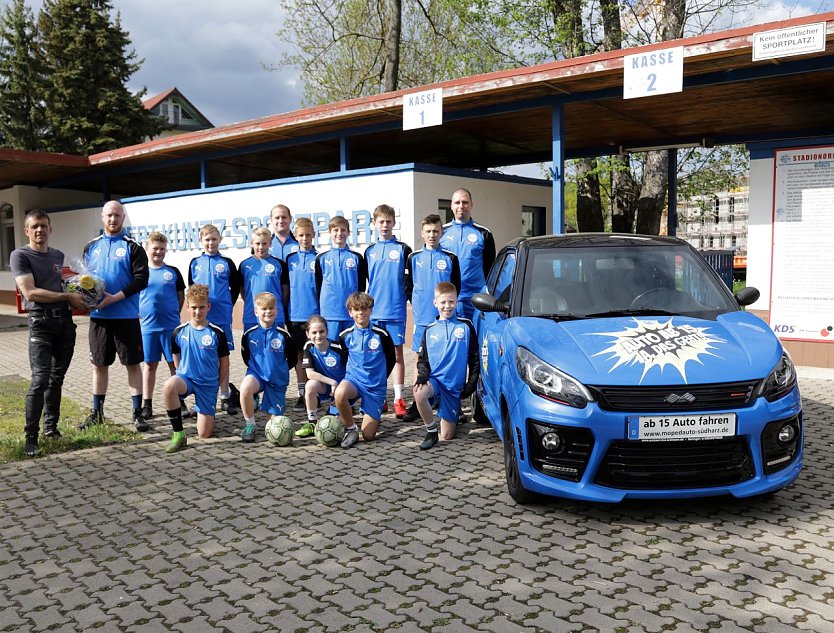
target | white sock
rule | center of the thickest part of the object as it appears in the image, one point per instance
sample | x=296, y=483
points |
x=398, y=392
x=249, y=420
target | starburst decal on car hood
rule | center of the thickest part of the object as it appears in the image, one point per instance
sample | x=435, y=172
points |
x=654, y=343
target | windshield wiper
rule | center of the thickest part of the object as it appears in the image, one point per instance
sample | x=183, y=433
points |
x=566, y=316
x=631, y=312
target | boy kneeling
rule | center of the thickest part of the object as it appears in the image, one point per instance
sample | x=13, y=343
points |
x=449, y=347
x=201, y=358
x=370, y=359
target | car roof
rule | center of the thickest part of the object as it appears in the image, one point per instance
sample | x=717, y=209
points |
x=575, y=240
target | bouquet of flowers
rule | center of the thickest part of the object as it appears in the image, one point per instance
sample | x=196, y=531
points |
x=85, y=284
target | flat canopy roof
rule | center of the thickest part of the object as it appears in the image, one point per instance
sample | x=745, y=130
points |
x=490, y=120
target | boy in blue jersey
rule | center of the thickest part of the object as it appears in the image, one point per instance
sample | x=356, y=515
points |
x=263, y=273
x=220, y=275
x=159, y=313
x=390, y=285
x=282, y=241
x=370, y=360
x=114, y=323
x=201, y=355
x=269, y=354
x=448, y=351
x=304, y=300
x=339, y=272
x=324, y=364
x=427, y=267
x=474, y=246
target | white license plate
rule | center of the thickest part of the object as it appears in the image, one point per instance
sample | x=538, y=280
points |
x=696, y=426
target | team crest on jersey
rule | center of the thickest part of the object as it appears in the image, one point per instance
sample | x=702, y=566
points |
x=313, y=266
x=56, y=268
x=350, y=263
x=441, y=264
x=330, y=361
x=471, y=238
x=167, y=275
x=294, y=248
x=121, y=252
x=275, y=343
x=458, y=333
x=269, y=268
x=373, y=343
x=394, y=255
x=219, y=268
x=206, y=339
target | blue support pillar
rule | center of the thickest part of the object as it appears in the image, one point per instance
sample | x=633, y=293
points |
x=672, y=173
x=344, y=153
x=558, y=169
x=203, y=174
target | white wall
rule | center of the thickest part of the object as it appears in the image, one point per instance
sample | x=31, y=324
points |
x=496, y=204
x=760, y=230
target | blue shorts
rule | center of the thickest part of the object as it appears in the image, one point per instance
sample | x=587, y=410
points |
x=395, y=329
x=273, y=397
x=157, y=345
x=334, y=328
x=372, y=400
x=227, y=330
x=417, y=338
x=447, y=402
x=205, y=397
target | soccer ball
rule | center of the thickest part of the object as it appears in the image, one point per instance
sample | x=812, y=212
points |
x=279, y=430
x=329, y=431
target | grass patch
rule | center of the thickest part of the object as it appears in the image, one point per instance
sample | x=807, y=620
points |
x=13, y=420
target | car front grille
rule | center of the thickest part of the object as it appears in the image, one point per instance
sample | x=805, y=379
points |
x=671, y=398
x=645, y=465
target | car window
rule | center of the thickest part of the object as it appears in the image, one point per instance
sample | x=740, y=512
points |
x=493, y=272
x=504, y=285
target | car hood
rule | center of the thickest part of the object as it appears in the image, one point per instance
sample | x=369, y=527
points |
x=653, y=350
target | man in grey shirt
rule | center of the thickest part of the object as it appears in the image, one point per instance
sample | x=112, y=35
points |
x=37, y=272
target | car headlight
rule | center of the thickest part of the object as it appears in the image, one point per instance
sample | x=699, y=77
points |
x=780, y=381
x=548, y=382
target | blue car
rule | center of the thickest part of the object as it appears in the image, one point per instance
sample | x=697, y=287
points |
x=621, y=366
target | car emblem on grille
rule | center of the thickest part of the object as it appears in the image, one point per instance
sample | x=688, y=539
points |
x=674, y=398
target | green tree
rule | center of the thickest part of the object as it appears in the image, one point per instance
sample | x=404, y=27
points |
x=88, y=61
x=21, y=79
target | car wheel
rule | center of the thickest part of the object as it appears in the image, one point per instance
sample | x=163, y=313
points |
x=478, y=413
x=517, y=491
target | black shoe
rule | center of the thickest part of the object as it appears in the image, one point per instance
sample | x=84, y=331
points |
x=31, y=448
x=228, y=406
x=412, y=413
x=300, y=404
x=52, y=434
x=429, y=441
x=147, y=412
x=462, y=419
x=95, y=418
x=139, y=421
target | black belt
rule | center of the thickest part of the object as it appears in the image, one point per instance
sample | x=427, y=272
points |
x=53, y=313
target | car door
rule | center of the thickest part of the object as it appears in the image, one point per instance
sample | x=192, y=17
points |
x=490, y=327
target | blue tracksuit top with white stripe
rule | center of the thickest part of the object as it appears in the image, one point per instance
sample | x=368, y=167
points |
x=330, y=363
x=388, y=280
x=428, y=267
x=262, y=275
x=159, y=304
x=475, y=248
x=282, y=251
x=304, y=299
x=123, y=265
x=370, y=356
x=339, y=272
x=450, y=348
x=220, y=275
x=269, y=354
x=200, y=351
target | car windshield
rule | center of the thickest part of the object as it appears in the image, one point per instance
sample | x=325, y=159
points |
x=589, y=282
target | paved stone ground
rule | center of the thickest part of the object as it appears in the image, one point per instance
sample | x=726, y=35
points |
x=232, y=537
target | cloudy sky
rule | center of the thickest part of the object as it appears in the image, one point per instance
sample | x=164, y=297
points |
x=214, y=51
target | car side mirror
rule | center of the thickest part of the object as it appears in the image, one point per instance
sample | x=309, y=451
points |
x=747, y=295
x=487, y=303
